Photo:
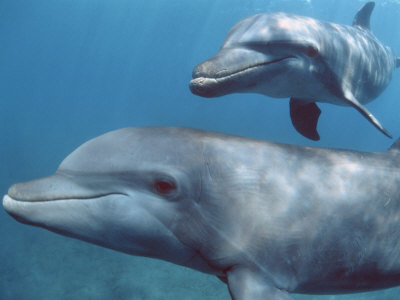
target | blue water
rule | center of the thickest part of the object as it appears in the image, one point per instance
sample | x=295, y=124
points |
x=73, y=69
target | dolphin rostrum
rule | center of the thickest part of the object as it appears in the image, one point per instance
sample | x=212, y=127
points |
x=284, y=55
x=268, y=219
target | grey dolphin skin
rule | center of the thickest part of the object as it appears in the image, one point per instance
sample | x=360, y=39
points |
x=289, y=56
x=268, y=219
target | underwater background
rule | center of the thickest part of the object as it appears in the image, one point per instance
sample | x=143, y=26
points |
x=71, y=70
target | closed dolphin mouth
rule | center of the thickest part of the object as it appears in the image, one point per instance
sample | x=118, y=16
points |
x=226, y=74
x=207, y=84
x=57, y=187
x=60, y=198
x=29, y=212
x=24, y=201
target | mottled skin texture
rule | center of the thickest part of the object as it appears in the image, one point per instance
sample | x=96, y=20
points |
x=270, y=219
x=290, y=56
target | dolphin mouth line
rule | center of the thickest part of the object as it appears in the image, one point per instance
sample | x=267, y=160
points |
x=98, y=196
x=238, y=72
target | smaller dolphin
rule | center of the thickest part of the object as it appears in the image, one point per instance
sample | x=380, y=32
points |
x=284, y=55
x=268, y=219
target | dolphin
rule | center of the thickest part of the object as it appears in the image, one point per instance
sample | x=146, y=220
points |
x=283, y=55
x=268, y=219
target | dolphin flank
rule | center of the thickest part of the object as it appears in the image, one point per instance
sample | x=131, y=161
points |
x=283, y=55
x=268, y=219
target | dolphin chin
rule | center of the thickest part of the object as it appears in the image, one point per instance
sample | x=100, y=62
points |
x=205, y=87
x=14, y=207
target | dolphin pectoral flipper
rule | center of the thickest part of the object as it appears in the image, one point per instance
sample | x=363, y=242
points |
x=244, y=284
x=304, y=116
x=349, y=98
x=397, y=62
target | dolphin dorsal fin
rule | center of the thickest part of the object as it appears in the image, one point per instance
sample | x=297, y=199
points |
x=363, y=16
x=395, y=146
x=397, y=62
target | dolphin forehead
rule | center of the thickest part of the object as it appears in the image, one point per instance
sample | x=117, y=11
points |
x=274, y=27
x=133, y=148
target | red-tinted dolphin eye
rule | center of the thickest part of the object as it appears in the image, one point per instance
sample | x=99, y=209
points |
x=311, y=51
x=164, y=187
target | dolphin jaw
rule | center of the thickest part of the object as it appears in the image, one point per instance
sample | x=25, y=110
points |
x=42, y=214
x=11, y=206
x=205, y=87
x=25, y=212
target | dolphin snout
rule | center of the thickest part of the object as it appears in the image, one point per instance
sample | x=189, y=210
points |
x=199, y=71
x=30, y=191
x=50, y=188
x=209, y=69
x=45, y=189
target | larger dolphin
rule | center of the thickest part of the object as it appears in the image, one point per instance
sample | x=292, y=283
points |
x=283, y=55
x=268, y=219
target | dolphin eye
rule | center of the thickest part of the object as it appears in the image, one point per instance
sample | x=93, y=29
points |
x=164, y=186
x=311, y=51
